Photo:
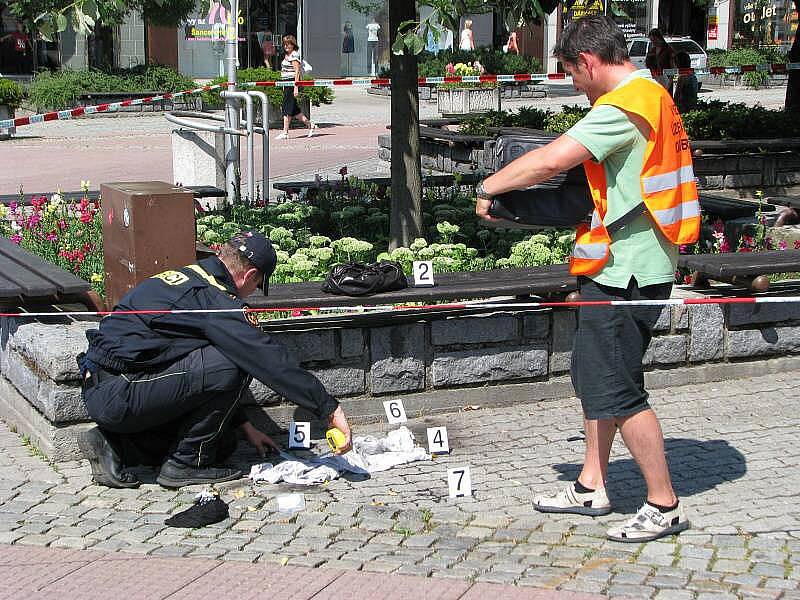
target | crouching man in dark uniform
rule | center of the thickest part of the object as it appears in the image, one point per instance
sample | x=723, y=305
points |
x=164, y=388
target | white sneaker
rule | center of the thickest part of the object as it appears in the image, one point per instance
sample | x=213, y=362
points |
x=650, y=524
x=567, y=500
x=282, y=136
x=312, y=130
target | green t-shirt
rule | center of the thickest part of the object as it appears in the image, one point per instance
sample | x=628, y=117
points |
x=639, y=249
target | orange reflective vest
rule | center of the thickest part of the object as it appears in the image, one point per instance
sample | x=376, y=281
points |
x=668, y=184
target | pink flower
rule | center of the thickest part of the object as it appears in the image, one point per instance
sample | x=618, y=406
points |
x=38, y=203
x=52, y=236
x=62, y=224
x=724, y=246
x=797, y=244
x=33, y=220
x=86, y=217
x=16, y=238
x=718, y=226
x=782, y=245
x=450, y=69
x=13, y=207
x=343, y=171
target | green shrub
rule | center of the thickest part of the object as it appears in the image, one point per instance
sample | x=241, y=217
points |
x=10, y=93
x=718, y=120
x=748, y=56
x=62, y=89
x=316, y=95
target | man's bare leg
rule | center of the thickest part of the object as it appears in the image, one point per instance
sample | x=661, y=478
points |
x=645, y=441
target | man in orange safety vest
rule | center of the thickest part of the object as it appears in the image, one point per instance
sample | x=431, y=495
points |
x=639, y=168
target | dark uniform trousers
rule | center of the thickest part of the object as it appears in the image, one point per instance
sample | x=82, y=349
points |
x=183, y=411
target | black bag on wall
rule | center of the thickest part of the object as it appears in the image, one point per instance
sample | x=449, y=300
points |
x=361, y=279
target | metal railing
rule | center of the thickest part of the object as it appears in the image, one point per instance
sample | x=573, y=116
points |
x=233, y=123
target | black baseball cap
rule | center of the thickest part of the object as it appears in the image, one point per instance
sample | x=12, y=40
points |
x=257, y=248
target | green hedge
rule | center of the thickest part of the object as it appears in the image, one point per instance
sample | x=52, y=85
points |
x=10, y=93
x=713, y=120
x=494, y=61
x=62, y=89
x=316, y=95
x=747, y=56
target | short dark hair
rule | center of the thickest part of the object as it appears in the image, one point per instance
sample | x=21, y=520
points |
x=597, y=35
x=683, y=60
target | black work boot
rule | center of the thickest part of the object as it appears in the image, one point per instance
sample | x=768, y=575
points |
x=106, y=464
x=174, y=475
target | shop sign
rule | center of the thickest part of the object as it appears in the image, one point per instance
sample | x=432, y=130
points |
x=211, y=27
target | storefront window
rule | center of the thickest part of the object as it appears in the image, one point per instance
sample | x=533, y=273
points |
x=16, y=46
x=764, y=23
x=630, y=16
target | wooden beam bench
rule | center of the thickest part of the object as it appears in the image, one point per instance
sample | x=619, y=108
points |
x=27, y=281
x=294, y=187
x=748, y=269
x=550, y=282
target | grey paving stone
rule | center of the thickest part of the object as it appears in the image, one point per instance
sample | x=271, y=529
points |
x=631, y=591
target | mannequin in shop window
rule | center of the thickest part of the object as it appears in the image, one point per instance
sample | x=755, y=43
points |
x=348, y=44
x=372, y=43
x=467, y=41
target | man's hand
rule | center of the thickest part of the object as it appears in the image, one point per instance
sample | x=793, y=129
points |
x=482, y=206
x=258, y=439
x=338, y=420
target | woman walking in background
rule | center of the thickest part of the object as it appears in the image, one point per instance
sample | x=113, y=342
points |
x=660, y=56
x=291, y=69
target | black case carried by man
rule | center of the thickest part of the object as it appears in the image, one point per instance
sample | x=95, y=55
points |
x=561, y=201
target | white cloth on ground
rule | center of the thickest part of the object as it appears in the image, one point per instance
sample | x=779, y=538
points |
x=369, y=455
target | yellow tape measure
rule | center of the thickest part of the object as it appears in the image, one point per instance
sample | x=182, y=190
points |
x=335, y=438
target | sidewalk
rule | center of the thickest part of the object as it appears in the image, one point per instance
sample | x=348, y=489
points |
x=732, y=447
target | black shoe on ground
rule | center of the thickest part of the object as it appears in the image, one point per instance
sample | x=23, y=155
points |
x=175, y=475
x=106, y=464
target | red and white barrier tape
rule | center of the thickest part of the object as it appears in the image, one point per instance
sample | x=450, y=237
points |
x=389, y=308
x=61, y=115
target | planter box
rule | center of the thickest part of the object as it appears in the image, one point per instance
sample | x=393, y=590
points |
x=468, y=101
x=6, y=113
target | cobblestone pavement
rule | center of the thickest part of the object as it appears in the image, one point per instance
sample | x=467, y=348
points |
x=137, y=147
x=731, y=446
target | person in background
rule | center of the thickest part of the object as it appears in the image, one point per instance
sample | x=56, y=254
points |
x=292, y=68
x=268, y=49
x=686, y=86
x=511, y=46
x=467, y=41
x=660, y=56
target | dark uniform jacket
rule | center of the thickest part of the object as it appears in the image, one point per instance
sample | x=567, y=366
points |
x=148, y=342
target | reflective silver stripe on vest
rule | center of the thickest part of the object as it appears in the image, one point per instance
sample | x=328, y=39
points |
x=596, y=222
x=668, y=181
x=590, y=251
x=685, y=210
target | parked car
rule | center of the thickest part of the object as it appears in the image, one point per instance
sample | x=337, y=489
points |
x=638, y=46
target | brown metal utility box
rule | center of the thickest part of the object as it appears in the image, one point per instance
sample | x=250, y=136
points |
x=148, y=227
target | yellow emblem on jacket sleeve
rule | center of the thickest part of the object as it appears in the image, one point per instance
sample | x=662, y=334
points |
x=172, y=277
x=252, y=318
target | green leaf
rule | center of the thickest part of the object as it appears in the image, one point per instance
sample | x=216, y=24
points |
x=399, y=45
x=415, y=44
x=90, y=8
x=61, y=22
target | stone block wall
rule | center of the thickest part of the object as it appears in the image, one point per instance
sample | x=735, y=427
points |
x=437, y=365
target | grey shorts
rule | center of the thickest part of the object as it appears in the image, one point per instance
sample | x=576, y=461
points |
x=609, y=345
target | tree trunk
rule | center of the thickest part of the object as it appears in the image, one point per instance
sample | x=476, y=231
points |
x=406, y=217
x=793, y=85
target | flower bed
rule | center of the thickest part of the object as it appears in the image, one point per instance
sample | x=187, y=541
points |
x=69, y=235
x=349, y=221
